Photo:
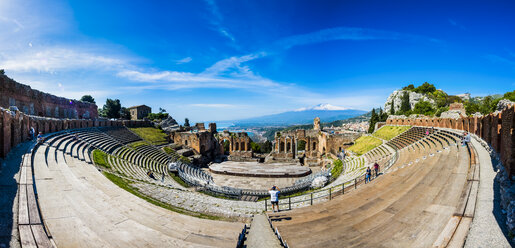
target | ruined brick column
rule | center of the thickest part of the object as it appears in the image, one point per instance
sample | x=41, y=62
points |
x=6, y=128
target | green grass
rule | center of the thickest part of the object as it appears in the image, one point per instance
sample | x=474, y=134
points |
x=171, y=151
x=179, y=180
x=100, y=158
x=125, y=184
x=137, y=144
x=388, y=132
x=337, y=168
x=364, y=144
x=152, y=135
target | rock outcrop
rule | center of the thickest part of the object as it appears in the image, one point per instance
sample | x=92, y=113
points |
x=396, y=98
x=169, y=124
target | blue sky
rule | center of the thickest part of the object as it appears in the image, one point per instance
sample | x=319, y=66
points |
x=221, y=60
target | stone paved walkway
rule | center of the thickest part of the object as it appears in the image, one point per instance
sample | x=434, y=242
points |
x=261, y=234
x=10, y=167
x=198, y=202
x=485, y=230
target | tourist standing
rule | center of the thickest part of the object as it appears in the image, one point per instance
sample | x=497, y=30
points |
x=274, y=197
x=368, y=174
x=376, y=169
x=466, y=139
x=40, y=138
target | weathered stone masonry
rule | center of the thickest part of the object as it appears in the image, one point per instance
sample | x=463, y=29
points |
x=34, y=102
x=496, y=129
x=15, y=126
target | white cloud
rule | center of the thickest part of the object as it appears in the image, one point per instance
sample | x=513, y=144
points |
x=184, y=60
x=55, y=58
x=213, y=105
x=216, y=21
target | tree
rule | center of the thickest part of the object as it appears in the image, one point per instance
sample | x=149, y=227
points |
x=439, y=111
x=186, y=122
x=2, y=72
x=301, y=145
x=392, y=108
x=405, y=105
x=112, y=108
x=227, y=146
x=410, y=87
x=255, y=147
x=125, y=113
x=88, y=98
x=424, y=108
x=162, y=110
x=425, y=88
x=373, y=120
x=510, y=96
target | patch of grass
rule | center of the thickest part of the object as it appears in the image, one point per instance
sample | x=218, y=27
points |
x=137, y=144
x=125, y=184
x=152, y=135
x=337, y=168
x=364, y=144
x=388, y=132
x=179, y=180
x=100, y=158
x=171, y=151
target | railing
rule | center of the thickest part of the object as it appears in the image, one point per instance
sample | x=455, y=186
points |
x=289, y=202
x=241, y=237
x=276, y=232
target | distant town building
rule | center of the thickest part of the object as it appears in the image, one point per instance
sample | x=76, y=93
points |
x=139, y=112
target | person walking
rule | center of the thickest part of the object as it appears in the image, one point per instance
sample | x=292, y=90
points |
x=376, y=169
x=163, y=178
x=274, y=197
x=368, y=174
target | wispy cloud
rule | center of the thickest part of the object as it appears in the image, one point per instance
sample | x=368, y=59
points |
x=217, y=20
x=184, y=60
x=58, y=58
x=213, y=105
x=349, y=33
x=499, y=59
x=454, y=23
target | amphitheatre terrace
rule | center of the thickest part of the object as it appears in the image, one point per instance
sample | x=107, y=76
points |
x=95, y=182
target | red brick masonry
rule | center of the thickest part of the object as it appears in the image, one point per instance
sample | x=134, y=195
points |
x=496, y=129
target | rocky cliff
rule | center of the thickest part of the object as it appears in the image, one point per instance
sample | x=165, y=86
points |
x=396, y=98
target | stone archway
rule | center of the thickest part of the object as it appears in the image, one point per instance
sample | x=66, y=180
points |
x=281, y=146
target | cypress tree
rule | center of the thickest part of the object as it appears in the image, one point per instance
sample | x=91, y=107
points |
x=405, y=106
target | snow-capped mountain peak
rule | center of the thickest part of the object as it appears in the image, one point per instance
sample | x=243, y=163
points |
x=323, y=106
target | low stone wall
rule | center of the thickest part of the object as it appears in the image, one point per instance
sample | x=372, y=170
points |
x=497, y=129
x=15, y=127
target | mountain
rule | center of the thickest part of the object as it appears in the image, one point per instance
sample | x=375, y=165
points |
x=326, y=112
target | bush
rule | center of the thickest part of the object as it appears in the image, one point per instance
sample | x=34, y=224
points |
x=423, y=108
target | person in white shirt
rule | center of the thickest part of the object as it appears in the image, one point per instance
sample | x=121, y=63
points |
x=274, y=197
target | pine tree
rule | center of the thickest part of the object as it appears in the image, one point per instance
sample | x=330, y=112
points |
x=392, y=108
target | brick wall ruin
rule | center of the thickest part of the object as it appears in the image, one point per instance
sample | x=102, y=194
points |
x=15, y=126
x=34, y=102
x=496, y=129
